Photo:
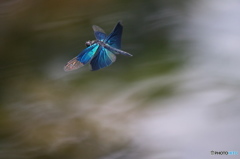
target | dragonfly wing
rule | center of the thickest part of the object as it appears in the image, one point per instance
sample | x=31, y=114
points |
x=114, y=39
x=103, y=59
x=99, y=33
x=83, y=58
x=87, y=54
x=73, y=65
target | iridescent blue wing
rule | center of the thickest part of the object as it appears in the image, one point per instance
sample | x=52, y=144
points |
x=114, y=39
x=103, y=59
x=99, y=33
x=87, y=54
x=83, y=58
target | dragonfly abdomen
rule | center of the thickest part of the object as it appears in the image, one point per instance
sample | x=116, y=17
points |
x=116, y=51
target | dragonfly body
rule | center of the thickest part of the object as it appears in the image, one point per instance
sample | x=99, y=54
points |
x=101, y=52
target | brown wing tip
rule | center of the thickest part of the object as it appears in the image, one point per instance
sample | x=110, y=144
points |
x=73, y=65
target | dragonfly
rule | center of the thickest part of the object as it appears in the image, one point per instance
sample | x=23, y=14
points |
x=101, y=52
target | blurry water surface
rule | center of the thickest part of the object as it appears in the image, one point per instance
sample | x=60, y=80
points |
x=176, y=98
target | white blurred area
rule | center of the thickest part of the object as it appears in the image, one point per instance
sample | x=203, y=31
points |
x=204, y=114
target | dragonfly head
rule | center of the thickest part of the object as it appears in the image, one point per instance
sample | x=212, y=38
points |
x=89, y=43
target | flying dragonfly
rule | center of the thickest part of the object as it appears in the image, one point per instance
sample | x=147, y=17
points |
x=100, y=52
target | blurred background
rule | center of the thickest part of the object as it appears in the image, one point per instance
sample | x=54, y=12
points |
x=176, y=98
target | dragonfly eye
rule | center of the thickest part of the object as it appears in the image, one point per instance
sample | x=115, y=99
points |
x=88, y=43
